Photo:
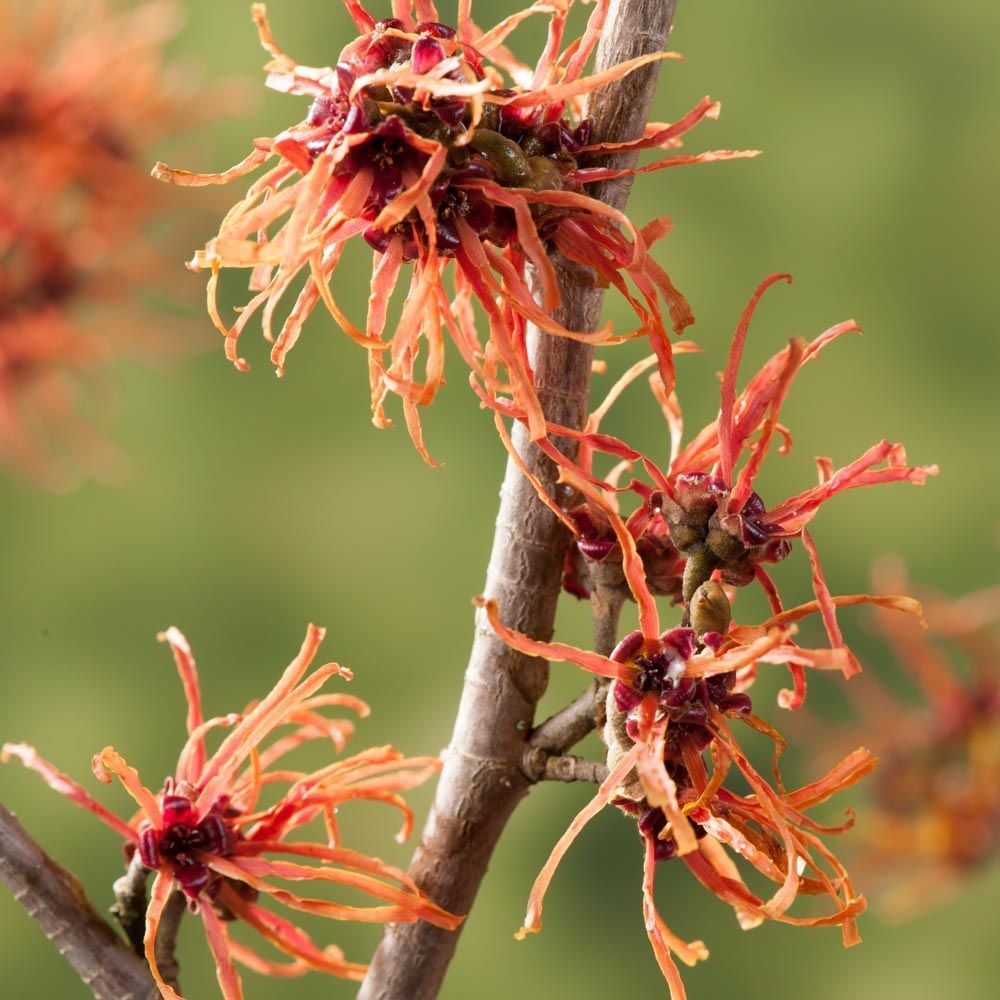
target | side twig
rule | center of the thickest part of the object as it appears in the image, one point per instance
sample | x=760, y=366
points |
x=542, y=766
x=130, y=911
x=483, y=778
x=569, y=725
x=166, y=939
x=565, y=728
x=130, y=902
x=55, y=900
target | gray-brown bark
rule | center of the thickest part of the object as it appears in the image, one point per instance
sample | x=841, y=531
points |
x=55, y=900
x=482, y=780
x=129, y=908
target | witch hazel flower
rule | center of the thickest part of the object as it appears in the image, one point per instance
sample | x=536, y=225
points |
x=932, y=821
x=44, y=355
x=701, y=518
x=444, y=153
x=673, y=700
x=84, y=91
x=715, y=516
x=209, y=835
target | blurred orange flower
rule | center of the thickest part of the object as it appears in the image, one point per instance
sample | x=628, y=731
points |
x=83, y=92
x=934, y=819
x=415, y=143
x=207, y=834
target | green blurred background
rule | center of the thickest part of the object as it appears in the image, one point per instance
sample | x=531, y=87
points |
x=253, y=505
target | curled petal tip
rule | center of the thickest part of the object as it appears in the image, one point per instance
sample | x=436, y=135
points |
x=9, y=750
x=99, y=768
x=175, y=637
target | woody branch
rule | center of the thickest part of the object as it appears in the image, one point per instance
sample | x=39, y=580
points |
x=484, y=778
x=55, y=900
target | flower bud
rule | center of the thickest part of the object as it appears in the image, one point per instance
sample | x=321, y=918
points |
x=509, y=163
x=544, y=174
x=710, y=609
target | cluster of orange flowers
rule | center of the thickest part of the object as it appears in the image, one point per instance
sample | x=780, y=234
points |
x=449, y=157
x=699, y=532
x=444, y=153
x=207, y=833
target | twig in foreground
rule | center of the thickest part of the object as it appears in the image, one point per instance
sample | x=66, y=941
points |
x=55, y=900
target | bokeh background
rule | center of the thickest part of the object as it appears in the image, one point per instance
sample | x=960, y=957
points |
x=253, y=505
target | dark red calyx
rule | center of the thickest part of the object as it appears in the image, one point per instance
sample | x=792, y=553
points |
x=184, y=839
x=427, y=53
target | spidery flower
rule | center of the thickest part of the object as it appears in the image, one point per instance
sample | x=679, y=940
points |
x=673, y=700
x=934, y=817
x=673, y=696
x=442, y=151
x=83, y=91
x=207, y=833
x=702, y=518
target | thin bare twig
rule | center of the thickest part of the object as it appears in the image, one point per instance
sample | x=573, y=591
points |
x=606, y=610
x=565, y=728
x=55, y=900
x=569, y=725
x=166, y=939
x=130, y=911
x=482, y=780
x=542, y=766
x=129, y=908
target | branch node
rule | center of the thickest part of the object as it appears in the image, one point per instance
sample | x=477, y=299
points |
x=539, y=765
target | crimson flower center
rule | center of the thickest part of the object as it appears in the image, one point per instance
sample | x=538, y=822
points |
x=508, y=146
x=184, y=840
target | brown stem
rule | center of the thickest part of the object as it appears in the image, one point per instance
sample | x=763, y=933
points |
x=563, y=730
x=166, y=939
x=130, y=903
x=569, y=725
x=482, y=780
x=607, y=604
x=542, y=766
x=55, y=900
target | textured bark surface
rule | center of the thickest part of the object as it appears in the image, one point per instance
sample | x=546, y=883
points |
x=56, y=902
x=483, y=780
